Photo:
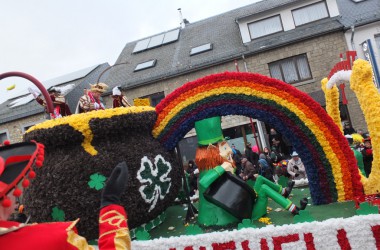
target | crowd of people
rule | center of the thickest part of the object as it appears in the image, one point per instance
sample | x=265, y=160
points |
x=90, y=100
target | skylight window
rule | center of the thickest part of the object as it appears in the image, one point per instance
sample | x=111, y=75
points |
x=145, y=65
x=201, y=49
x=155, y=41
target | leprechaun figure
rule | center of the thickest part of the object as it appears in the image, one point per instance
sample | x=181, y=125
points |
x=224, y=198
x=17, y=165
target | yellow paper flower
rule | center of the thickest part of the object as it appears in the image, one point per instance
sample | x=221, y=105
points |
x=361, y=83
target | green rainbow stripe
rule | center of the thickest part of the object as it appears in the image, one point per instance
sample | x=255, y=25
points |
x=330, y=163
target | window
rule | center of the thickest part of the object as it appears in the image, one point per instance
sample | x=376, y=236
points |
x=155, y=41
x=145, y=65
x=155, y=98
x=291, y=70
x=265, y=27
x=310, y=13
x=201, y=49
x=3, y=136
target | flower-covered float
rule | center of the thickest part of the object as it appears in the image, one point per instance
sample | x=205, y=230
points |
x=85, y=141
x=82, y=150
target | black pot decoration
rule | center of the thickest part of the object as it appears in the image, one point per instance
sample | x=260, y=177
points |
x=80, y=152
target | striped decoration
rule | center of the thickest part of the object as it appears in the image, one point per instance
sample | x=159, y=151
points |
x=329, y=161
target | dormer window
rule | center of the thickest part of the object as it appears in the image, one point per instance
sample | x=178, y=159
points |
x=265, y=27
x=310, y=13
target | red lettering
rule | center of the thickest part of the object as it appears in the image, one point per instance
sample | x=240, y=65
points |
x=309, y=240
x=376, y=235
x=188, y=248
x=278, y=241
x=264, y=244
x=342, y=239
x=224, y=246
x=245, y=245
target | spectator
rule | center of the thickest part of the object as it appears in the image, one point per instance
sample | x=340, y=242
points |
x=367, y=156
x=193, y=174
x=265, y=170
x=250, y=155
x=248, y=169
x=296, y=169
x=348, y=129
x=237, y=159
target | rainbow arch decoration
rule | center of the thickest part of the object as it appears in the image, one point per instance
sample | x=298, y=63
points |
x=328, y=159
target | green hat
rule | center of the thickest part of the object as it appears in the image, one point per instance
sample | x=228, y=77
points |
x=209, y=131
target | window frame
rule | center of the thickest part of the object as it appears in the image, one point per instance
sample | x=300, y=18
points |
x=256, y=21
x=6, y=132
x=202, y=51
x=327, y=9
x=293, y=58
x=153, y=65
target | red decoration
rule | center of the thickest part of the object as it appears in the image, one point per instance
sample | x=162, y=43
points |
x=39, y=163
x=6, y=142
x=245, y=244
x=6, y=202
x=17, y=192
x=32, y=174
x=25, y=183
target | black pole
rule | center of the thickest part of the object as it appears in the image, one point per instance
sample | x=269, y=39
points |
x=191, y=210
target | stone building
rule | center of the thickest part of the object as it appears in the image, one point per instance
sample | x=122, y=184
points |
x=295, y=41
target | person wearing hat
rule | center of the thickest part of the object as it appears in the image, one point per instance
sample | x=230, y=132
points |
x=18, y=163
x=119, y=100
x=367, y=155
x=296, y=170
x=90, y=101
x=224, y=198
x=348, y=129
x=60, y=107
x=357, y=153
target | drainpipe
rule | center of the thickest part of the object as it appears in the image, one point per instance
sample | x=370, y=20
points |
x=352, y=37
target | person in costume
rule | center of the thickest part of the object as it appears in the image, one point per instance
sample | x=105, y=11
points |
x=357, y=153
x=17, y=166
x=90, y=101
x=60, y=106
x=119, y=100
x=297, y=170
x=219, y=204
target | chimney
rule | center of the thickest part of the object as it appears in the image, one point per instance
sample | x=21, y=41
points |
x=182, y=23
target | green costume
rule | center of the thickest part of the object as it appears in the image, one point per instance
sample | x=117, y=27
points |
x=209, y=131
x=359, y=159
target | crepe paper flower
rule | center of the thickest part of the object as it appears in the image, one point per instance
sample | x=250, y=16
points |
x=193, y=230
x=81, y=122
x=58, y=214
x=303, y=216
x=155, y=183
x=246, y=223
x=265, y=220
x=366, y=208
x=142, y=235
x=141, y=102
x=97, y=181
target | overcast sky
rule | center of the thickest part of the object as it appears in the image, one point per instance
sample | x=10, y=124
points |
x=51, y=38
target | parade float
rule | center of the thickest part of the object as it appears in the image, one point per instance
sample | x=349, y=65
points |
x=82, y=149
